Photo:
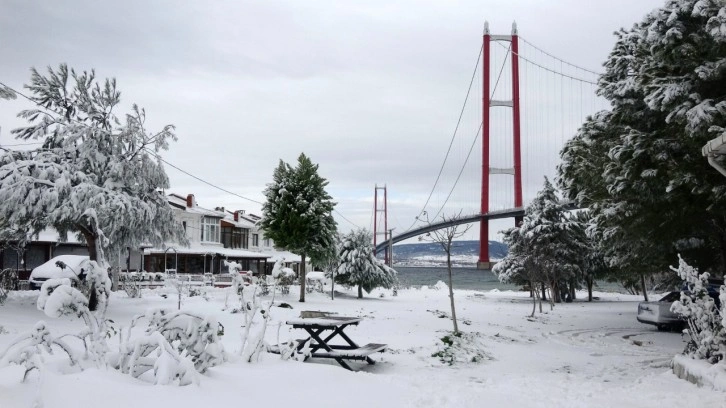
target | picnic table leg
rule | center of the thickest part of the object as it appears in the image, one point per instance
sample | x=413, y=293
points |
x=315, y=335
x=323, y=344
x=352, y=343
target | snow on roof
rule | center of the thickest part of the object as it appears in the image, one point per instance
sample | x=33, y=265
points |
x=51, y=235
x=251, y=217
x=181, y=202
x=241, y=223
x=217, y=250
x=286, y=255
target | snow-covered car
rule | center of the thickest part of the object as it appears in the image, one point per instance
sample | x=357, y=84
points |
x=73, y=267
x=659, y=313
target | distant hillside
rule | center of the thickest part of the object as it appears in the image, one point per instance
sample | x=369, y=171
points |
x=464, y=253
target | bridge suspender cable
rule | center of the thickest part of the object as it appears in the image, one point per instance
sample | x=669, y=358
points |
x=453, y=136
x=458, y=177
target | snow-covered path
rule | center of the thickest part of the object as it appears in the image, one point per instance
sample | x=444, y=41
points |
x=579, y=355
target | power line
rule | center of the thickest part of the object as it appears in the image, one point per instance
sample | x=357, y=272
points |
x=349, y=221
x=200, y=179
x=155, y=155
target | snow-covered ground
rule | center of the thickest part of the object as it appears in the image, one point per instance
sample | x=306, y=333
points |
x=579, y=355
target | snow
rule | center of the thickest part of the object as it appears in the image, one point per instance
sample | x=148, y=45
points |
x=578, y=355
x=74, y=264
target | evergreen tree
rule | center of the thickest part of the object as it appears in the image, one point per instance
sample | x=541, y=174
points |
x=518, y=265
x=594, y=266
x=94, y=174
x=548, y=245
x=297, y=213
x=638, y=166
x=359, y=266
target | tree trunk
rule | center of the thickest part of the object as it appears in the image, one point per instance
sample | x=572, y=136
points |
x=302, y=278
x=590, y=281
x=556, y=295
x=360, y=292
x=451, y=289
x=540, y=299
x=642, y=285
x=531, y=289
x=91, y=239
x=573, y=293
x=544, y=294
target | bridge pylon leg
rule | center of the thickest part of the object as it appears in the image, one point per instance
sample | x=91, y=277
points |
x=487, y=103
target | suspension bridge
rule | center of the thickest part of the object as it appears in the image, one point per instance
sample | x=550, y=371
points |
x=522, y=104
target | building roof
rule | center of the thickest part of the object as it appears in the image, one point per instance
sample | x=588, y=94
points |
x=241, y=222
x=206, y=249
x=51, y=235
x=177, y=201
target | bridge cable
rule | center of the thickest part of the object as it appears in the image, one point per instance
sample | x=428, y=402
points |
x=557, y=58
x=550, y=69
x=496, y=84
x=453, y=136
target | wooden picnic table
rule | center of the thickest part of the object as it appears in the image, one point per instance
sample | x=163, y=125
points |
x=323, y=348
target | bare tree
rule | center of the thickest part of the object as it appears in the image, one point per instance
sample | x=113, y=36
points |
x=445, y=238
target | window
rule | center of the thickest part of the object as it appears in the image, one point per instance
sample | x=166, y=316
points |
x=210, y=229
x=255, y=240
x=231, y=237
x=266, y=242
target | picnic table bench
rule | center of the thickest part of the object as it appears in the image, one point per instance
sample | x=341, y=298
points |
x=323, y=348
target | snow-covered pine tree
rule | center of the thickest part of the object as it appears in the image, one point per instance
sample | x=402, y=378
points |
x=6, y=93
x=518, y=266
x=548, y=241
x=358, y=265
x=638, y=167
x=298, y=212
x=594, y=266
x=95, y=174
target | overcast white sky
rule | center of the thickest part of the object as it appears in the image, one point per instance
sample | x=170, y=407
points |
x=370, y=90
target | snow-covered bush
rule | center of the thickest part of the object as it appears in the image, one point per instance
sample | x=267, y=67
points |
x=255, y=314
x=57, y=298
x=460, y=347
x=153, y=352
x=27, y=350
x=284, y=277
x=706, y=321
x=191, y=335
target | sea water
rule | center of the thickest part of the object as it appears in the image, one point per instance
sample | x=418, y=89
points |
x=463, y=278
x=469, y=278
